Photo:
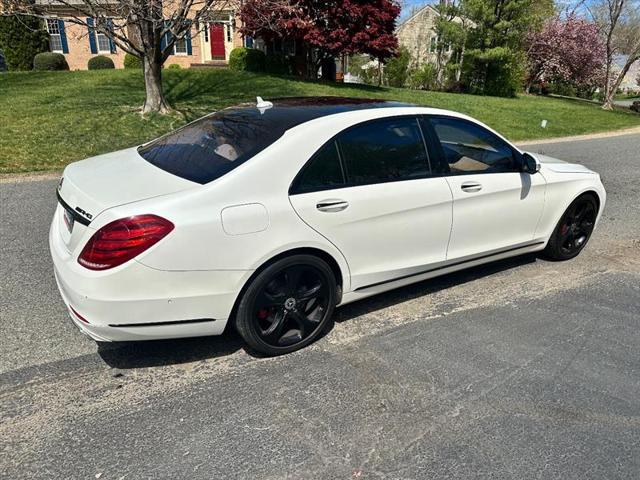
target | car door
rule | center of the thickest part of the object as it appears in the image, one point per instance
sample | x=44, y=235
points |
x=496, y=206
x=370, y=192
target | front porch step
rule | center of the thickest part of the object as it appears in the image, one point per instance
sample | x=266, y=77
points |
x=211, y=64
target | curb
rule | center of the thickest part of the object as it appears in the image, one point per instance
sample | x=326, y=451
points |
x=28, y=177
x=576, y=138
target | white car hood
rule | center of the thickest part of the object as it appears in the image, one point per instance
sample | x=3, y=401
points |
x=98, y=183
x=560, y=166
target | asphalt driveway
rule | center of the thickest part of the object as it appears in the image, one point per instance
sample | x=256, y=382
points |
x=522, y=369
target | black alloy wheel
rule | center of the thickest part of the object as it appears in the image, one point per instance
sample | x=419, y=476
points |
x=574, y=229
x=288, y=305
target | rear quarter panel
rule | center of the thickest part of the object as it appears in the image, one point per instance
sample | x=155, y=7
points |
x=200, y=240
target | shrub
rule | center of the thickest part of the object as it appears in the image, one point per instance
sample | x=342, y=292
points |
x=100, y=63
x=279, y=64
x=174, y=66
x=248, y=59
x=396, y=70
x=423, y=78
x=635, y=106
x=497, y=72
x=21, y=38
x=131, y=61
x=564, y=89
x=50, y=61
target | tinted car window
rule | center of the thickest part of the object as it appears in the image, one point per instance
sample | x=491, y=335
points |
x=383, y=151
x=323, y=171
x=210, y=147
x=469, y=148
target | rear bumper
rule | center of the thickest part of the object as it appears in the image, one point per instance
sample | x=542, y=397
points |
x=136, y=302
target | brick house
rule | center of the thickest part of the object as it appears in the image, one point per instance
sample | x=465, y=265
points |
x=208, y=44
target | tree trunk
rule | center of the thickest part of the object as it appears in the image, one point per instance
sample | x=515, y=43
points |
x=459, y=71
x=154, y=101
x=613, y=86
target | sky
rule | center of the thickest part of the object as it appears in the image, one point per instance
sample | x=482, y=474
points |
x=407, y=4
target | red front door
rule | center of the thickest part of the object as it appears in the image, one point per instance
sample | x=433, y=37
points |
x=216, y=38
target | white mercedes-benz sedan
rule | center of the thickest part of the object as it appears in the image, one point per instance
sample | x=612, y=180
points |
x=267, y=216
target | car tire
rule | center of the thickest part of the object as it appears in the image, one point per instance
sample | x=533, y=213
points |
x=288, y=305
x=573, y=229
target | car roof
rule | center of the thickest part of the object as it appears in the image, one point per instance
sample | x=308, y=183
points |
x=289, y=112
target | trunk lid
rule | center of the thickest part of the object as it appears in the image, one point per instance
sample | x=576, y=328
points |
x=91, y=186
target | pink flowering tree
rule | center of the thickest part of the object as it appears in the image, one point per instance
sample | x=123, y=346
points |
x=569, y=50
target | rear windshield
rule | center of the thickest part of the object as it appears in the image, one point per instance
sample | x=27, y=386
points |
x=212, y=146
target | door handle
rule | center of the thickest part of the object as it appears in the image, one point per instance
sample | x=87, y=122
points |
x=332, y=205
x=471, y=187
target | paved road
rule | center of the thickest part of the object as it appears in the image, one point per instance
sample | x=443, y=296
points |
x=522, y=369
x=625, y=103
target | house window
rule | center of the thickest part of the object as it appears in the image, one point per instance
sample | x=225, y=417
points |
x=434, y=44
x=55, y=41
x=103, y=43
x=180, y=47
x=229, y=33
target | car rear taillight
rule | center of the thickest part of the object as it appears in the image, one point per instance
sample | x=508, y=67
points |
x=121, y=240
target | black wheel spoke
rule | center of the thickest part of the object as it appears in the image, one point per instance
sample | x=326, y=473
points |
x=578, y=212
x=293, y=276
x=309, y=293
x=274, y=333
x=584, y=213
x=266, y=300
x=305, y=324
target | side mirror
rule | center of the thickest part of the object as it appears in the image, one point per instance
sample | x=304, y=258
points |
x=530, y=164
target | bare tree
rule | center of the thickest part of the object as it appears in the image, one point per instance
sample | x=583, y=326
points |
x=147, y=29
x=619, y=23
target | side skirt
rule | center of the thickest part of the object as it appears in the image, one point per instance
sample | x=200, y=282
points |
x=440, y=269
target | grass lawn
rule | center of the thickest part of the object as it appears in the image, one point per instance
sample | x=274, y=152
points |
x=48, y=119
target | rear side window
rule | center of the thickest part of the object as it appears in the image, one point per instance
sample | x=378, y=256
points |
x=469, y=148
x=323, y=172
x=383, y=151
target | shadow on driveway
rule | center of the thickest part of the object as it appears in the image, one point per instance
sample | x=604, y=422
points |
x=128, y=355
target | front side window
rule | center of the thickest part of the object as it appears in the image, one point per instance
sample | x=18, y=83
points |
x=469, y=148
x=55, y=41
x=383, y=151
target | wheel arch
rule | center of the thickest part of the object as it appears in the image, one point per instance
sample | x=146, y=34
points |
x=586, y=191
x=596, y=195
x=317, y=252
